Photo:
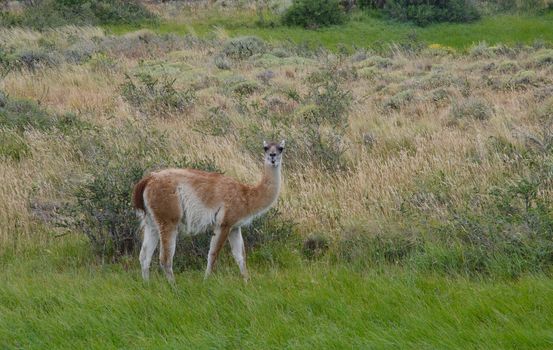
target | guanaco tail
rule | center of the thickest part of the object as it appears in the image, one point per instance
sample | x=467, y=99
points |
x=201, y=201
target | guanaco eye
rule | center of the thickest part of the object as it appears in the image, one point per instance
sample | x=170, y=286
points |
x=266, y=148
x=280, y=148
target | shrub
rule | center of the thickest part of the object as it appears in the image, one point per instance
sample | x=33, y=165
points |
x=436, y=80
x=508, y=66
x=217, y=123
x=544, y=58
x=424, y=13
x=222, y=62
x=399, y=100
x=80, y=52
x=474, y=108
x=8, y=61
x=3, y=99
x=358, y=247
x=13, y=146
x=244, y=88
x=243, y=47
x=20, y=114
x=327, y=93
x=320, y=136
x=53, y=13
x=156, y=96
x=439, y=95
x=102, y=63
x=325, y=148
x=36, y=59
x=522, y=80
x=266, y=76
x=101, y=206
x=103, y=210
x=314, y=13
x=482, y=50
x=378, y=61
x=543, y=117
x=369, y=73
x=315, y=247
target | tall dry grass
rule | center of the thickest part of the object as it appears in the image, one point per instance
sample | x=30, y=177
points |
x=401, y=137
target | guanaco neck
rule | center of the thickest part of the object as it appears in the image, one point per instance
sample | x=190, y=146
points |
x=266, y=191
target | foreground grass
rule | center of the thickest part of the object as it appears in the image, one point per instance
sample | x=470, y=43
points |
x=368, y=31
x=45, y=303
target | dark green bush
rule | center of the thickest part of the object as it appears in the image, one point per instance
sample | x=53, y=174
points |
x=13, y=146
x=314, y=13
x=425, y=12
x=371, y=4
x=20, y=114
x=315, y=247
x=52, y=13
x=102, y=208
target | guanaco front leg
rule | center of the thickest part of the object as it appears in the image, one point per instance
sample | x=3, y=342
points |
x=217, y=242
x=239, y=251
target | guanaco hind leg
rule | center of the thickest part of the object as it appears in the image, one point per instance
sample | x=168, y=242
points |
x=167, y=250
x=149, y=244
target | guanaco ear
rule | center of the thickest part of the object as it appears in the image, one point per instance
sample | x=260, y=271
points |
x=265, y=146
x=280, y=146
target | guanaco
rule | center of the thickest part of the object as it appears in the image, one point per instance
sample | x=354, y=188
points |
x=200, y=201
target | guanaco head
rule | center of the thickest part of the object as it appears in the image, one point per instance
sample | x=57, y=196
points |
x=273, y=153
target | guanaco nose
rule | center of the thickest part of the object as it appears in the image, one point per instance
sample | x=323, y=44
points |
x=272, y=154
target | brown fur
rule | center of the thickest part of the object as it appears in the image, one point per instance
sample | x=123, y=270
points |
x=138, y=193
x=211, y=188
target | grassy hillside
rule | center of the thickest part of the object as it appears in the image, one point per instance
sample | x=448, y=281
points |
x=417, y=202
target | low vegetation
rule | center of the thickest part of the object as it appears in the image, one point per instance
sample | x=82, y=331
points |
x=53, y=13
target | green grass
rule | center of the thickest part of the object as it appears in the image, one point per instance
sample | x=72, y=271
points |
x=367, y=31
x=58, y=297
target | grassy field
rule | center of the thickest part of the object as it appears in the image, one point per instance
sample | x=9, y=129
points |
x=45, y=303
x=363, y=30
x=416, y=211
